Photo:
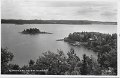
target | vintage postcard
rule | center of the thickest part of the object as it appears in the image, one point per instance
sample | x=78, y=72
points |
x=56, y=37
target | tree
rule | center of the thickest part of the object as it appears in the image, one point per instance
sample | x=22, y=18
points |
x=84, y=67
x=6, y=56
x=55, y=62
x=31, y=63
x=14, y=67
x=72, y=59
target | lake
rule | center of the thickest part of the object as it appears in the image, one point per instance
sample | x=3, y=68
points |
x=26, y=47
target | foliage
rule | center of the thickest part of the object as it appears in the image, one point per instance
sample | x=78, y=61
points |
x=104, y=44
x=31, y=62
x=55, y=63
x=6, y=57
x=33, y=31
x=14, y=67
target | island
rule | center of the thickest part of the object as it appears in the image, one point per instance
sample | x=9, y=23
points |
x=33, y=31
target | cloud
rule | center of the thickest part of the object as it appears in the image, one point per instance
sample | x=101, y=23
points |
x=72, y=10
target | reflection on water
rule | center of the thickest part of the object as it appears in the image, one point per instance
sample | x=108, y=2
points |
x=26, y=47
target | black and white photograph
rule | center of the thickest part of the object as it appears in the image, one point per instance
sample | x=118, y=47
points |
x=53, y=37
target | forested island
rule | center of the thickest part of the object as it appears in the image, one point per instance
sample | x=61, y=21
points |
x=61, y=64
x=33, y=31
x=20, y=21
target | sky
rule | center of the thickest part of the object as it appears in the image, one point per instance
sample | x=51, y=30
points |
x=59, y=10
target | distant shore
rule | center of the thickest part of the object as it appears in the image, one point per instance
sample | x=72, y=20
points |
x=77, y=22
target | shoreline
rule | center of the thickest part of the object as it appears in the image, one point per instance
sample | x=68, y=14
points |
x=90, y=42
x=70, y=22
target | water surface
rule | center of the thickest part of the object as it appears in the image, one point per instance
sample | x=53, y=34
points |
x=26, y=47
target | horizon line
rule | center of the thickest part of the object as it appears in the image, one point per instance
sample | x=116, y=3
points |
x=59, y=19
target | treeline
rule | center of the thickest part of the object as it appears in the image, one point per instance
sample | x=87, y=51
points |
x=61, y=64
x=15, y=21
x=31, y=31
